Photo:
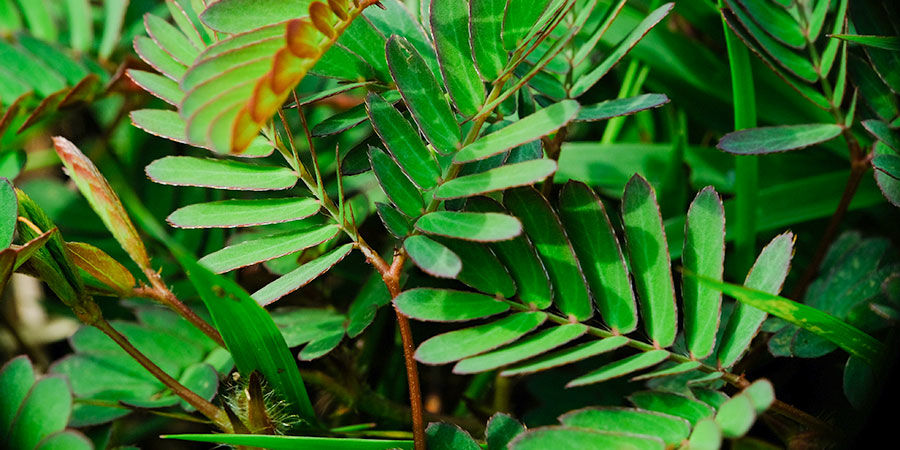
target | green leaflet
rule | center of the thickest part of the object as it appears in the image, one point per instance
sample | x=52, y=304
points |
x=520, y=16
x=363, y=39
x=9, y=211
x=600, y=255
x=39, y=21
x=621, y=367
x=219, y=174
x=673, y=404
x=761, y=394
x=235, y=16
x=706, y=436
x=50, y=55
x=498, y=179
x=456, y=345
x=620, y=107
x=544, y=229
x=66, y=440
x=168, y=124
x=560, y=437
x=736, y=416
x=269, y=247
x=649, y=256
x=44, y=411
x=519, y=257
x=300, y=276
x=523, y=349
x=423, y=95
x=21, y=66
x=501, y=429
x=433, y=258
x=527, y=129
x=449, y=26
x=777, y=21
x=777, y=139
x=480, y=268
x=704, y=253
x=587, y=80
x=171, y=40
x=398, y=188
x=883, y=132
x=243, y=213
x=767, y=275
x=444, y=305
x=887, y=164
x=150, y=52
x=672, y=430
x=481, y=227
x=445, y=436
x=113, y=18
x=158, y=85
x=677, y=369
x=403, y=141
x=485, y=26
x=294, y=442
x=567, y=356
x=846, y=336
x=101, y=266
x=17, y=376
x=394, y=221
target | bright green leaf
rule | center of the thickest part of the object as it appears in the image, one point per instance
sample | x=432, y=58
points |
x=481, y=227
x=403, y=141
x=574, y=438
x=672, y=430
x=460, y=344
x=243, y=213
x=294, y=442
x=485, y=26
x=567, y=356
x=501, y=178
x=269, y=247
x=450, y=28
x=523, y=349
x=673, y=404
x=736, y=416
x=433, y=258
x=621, y=367
x=442, y=305
x=300, y=276
x=620, y=107
x=219, y=174
x=235, y=16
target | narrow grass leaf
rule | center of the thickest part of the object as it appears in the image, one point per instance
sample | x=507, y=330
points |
x=891, y=43
x=294, y=442
x=755, y=141
x=472, y=226
x=243, y=213
x=620, y=107
x=529, y=128
x=450, y=28
x=269, y=247
x=300, y=276
x=501, y=178
x=520, y=259
x=600, y=255
x=767, y=275
x=485, y=27
x=621, y=367
x=704, y=253
x=562, y=437
x=460, y=344
x=567, y=356
x=544, y=229
x=523, y=349
x=398, y=188
x=672, y=430
x=648, y=253
x=403, y=141
x=423, y=95
x=219, y=174
x=444, y=305
x=433, y=258
x=673, y=404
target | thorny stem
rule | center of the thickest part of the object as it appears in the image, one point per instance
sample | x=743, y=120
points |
x=206, y=408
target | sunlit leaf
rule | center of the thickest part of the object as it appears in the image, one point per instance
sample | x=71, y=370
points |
x=485, y=26
x=263, y=249
x=673, y=404
x=571, y=438
x=442, y=305
x=219, y=174
x=501, y=178
x=460, y=344
x=482, y=227
x=567, y=356
x=433, y=258
x=243, y=213
x=300, y=276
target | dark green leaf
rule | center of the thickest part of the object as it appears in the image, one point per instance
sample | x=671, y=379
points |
x=441, y=305
x=523, y=349
x=219, y=174
x=764, y=140
x=456, y=345
x=567, y=356
x=403, y=141
x=883, y=42
x=600, y=255
x=621, y=367
x=501, y=178
x=501, y=429
x=672, y=430
x=445, y=436
x=883, y=132
x=394, y=221
x=481, y=227
x=432, y=257
x=485, y=26
x=776, y=21
x=398, y=188
x=450, y=28
x=243, y=213
x=300, y=276
x=423, y=95
x=480, y=268
x=269, y=247
x=544, y=229
x=572, y=438
x=520, y=16
x=620, y=107
x=649, y=256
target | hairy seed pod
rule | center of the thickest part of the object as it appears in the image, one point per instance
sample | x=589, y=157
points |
x=322, y=18
x=301, y=37
x=339, y=8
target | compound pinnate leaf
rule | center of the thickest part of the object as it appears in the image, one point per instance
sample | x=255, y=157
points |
x=472, y=226
x=650, y=262
x=498, y=179
x=620, y=107
x=672, y=430
x=444, y=305
x=523, y=349
x=562, y=437
x=263, y=249
x=300, y=276
x=243, y=213
x=763, y=140
x=450, y=27
x=423, y=95
x=529, y=128
x=767, y=275
x=432, y=257
x=600, y=255
x=622, y=367
x=459, y=344
x=544, y=229
x=704, y=253
x=219, y=174
x=403, y=141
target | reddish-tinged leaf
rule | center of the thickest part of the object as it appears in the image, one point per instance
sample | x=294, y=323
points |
x=101, y=266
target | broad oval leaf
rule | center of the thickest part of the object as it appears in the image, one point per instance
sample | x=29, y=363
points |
x=648, y=253
x=432, y=257
x=456, y=345
x=498, y=179
x=672, y=430
x=269, y=247
x=423, y=95
x=444, y=305
x=706, y=436
x=243, y=213
x=704, y=253
x=472, y=226
x=523, y=349
x=403, y=141
x=736, y=416
x=527, y=129
x=450, y=28
x=300, y=276
x=755, y=141
x=219, y=174
x=600, y=255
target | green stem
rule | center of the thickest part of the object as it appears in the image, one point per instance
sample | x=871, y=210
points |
x=746, y=167
x=634, y=78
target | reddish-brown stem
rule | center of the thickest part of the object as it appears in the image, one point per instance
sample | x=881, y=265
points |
x=159, y=292
x=199, y=403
